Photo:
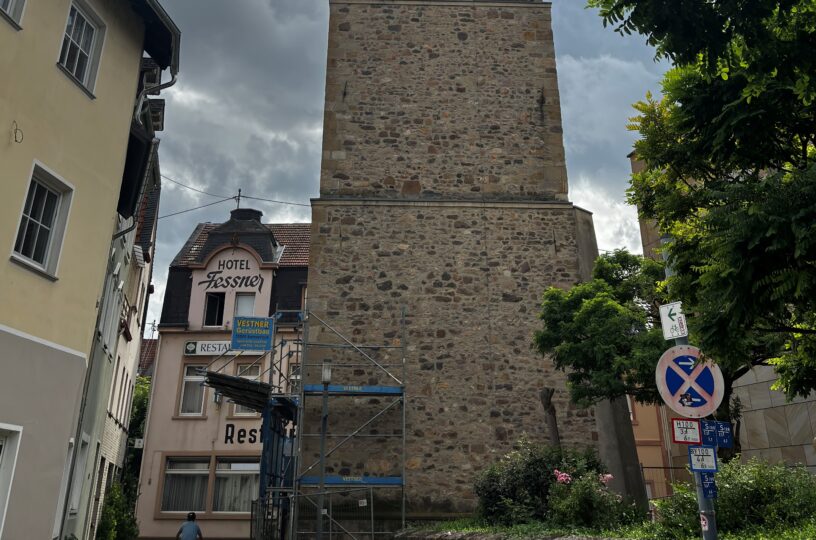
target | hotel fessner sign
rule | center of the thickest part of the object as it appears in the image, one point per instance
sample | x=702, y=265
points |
x=232, y=274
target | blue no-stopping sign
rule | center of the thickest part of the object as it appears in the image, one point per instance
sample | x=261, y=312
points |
x=691, y=387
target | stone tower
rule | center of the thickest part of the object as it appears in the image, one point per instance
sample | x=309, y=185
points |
x=443, y=200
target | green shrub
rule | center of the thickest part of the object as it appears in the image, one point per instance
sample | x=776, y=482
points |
x=586, y=502
x=751, y=495
x=516, y=488
x=117, y=521
x=757, y=494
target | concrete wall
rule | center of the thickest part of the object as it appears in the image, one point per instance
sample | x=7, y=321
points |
x=443, y=190
x=773, y=428
x=41, y=389
x=82, y=140
x=170, y=435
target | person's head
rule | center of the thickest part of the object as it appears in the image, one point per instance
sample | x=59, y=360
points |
x=191, y=516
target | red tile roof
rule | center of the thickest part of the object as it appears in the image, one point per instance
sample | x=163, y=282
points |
x=293, y=236
x=148, y=356
x=295, y=239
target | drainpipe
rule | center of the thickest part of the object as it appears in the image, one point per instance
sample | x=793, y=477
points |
x=137, y=112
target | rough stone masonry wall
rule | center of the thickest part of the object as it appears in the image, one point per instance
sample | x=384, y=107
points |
x=443, y=190
x=445, y=99
x=470, y=279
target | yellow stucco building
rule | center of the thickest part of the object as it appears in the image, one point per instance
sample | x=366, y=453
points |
x=71, y=73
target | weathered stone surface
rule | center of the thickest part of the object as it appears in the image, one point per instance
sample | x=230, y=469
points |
x=443, y=190
x=443, y=100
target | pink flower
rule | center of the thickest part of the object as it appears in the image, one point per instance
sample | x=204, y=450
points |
x=562, y=477
x=605, y=478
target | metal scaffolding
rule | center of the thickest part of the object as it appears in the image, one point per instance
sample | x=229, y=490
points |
x=297, y=498
x=334, y=368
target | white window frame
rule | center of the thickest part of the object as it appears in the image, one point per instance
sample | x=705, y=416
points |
x=240, y=371
x=13, y=12
x=75, y=496
x=92, y=18
x=42, y=175
x=167, y=471
x=191, y=378
x=11, y=435
x=235, y=302
x=237, y=472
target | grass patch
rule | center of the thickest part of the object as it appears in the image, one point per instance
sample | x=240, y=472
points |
x=645, y=531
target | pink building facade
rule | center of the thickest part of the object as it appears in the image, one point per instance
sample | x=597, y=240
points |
x=201, y=451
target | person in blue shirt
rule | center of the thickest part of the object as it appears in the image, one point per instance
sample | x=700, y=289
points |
x=189, y=530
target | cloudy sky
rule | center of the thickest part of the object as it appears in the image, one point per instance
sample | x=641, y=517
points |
x=247, y=113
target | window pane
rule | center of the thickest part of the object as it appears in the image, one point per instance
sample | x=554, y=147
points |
x=71, y=19
x=184, y=492
x=4, y=5
x=79, y=26
x=39, y=203
x=18, y=245
x=82, y=63
x=244, y=305
x=192, y=371
x=238, y=465
x=70, y=62
x=249, y=371
x=236, y=484
x=192, y=399
x=50, y=209
x=30, y=238
x=187, y=465
x=64, y=52
x=214, y=311
x=87, y=39
x=30, y=197
x=41, y=247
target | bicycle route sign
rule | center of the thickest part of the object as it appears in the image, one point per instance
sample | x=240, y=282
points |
x=673, y=321
x=689, y=385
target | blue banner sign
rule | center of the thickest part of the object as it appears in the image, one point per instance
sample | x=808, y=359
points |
x=709, y=485
x=708, y=430
x=252, y=333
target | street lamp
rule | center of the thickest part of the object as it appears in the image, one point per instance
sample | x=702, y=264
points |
x=326, y=373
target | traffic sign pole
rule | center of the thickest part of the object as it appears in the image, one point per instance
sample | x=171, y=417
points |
x=708, y=520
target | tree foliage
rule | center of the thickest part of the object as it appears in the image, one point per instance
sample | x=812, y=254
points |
x=731, y=172
x=605, y=333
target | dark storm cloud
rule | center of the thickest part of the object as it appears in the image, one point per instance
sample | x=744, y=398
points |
x=247, y=113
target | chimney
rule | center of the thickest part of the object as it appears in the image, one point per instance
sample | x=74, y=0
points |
x=245, y=214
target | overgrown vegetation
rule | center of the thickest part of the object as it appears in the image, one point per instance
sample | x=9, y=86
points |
x=118, y=518
x=731, y=172
x=543, y=484
x=751, y=495
x=537, y=490
x=117, y=521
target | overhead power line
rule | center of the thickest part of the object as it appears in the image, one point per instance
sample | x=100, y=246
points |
x=198, y=207
x=274, y=201
x=192, y=188
x=231, y=197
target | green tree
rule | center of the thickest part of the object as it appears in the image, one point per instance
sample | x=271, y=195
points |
x=117, y=521
x=605, y=333
x=731, y=172
x=138, y=417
